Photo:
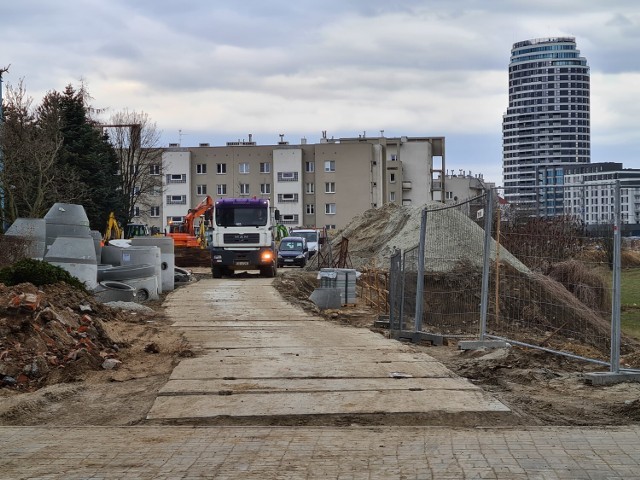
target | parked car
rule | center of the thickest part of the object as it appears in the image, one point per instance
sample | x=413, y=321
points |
x=293, y=251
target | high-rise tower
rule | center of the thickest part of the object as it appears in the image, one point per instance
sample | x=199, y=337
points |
x=546, y=127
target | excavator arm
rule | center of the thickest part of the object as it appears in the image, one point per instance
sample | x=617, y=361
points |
x=113, y=230
x=200, y=209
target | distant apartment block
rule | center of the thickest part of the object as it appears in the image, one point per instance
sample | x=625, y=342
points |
x=320, y=184
x=589, y=195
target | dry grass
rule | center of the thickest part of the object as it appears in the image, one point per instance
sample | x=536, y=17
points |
x=583, y=282
x=630, y=259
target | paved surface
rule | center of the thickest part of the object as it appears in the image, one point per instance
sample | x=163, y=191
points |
x=293, y=365
x=324, y=452
x=264, y=358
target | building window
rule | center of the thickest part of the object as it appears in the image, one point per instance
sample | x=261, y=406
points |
x=244, y=189
x=243, y=168
x=176, y=199
x=221, y=189
x=265, y=188
x=330, y=187
x=287, y=176
x=309, y=167
x=154, y=169
x=201, y=189
x=330, y=227
x=265, y=167
x=449, y=195
x=177, y=178
x=392, y=178
x=287, y=197
x=310, y=208
x=221, y=168
x=310, y=188
x=155, y=212
x=394, y=157
x=330, y=208
x=289, y=219
x=156, y=190
x=171, y=220
x=201, y=168
x=330, y=166
x=135, y=212
x=392, y=196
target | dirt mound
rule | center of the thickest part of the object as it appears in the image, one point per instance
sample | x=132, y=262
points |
x=451, y=237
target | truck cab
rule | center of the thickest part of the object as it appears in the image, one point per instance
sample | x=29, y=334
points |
x=242, y=237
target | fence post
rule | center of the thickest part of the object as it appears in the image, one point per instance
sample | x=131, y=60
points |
x=420, y=279
x=486, y=264
x=615, y=303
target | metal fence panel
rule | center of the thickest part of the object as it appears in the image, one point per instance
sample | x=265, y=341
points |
x=395, y=291
x=551, y=271
x=453, y=269
x=409, y=279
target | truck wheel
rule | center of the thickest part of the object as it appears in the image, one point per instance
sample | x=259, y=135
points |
x=216, y=272
x=268, y=272
x=227, y=272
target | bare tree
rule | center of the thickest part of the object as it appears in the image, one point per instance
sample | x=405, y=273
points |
x=135, y=138
x=31, y=140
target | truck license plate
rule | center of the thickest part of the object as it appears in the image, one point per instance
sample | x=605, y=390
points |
x=242, y=263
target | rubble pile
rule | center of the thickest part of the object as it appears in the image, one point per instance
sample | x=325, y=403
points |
x=51, y=334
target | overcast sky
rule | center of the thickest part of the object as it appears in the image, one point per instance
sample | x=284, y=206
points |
x=218, y=70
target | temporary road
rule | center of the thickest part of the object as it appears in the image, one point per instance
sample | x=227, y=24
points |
x=263, y=358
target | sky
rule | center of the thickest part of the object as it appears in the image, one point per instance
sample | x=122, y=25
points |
x=212, y=71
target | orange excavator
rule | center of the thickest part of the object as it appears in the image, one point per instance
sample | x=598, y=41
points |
x=184, y=234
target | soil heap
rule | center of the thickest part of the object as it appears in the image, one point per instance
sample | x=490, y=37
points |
x=452, y=238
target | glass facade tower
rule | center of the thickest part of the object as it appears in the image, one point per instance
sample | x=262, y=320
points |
x=547, y=124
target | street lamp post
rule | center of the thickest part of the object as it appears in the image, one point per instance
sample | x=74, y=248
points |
x=3, y=224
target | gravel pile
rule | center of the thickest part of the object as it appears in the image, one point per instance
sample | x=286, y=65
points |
x=452, y=238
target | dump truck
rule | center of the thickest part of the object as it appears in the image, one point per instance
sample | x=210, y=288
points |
x=243, y=237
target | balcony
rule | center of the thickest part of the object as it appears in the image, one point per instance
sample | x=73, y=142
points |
x=407, y=186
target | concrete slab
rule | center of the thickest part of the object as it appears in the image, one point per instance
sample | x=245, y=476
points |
x=239, y=324
x=310, y=351
x=316, y=355
x=323, y=403
x=207, y=368
x=218, y=338
x=264, y=357
x=271, y=385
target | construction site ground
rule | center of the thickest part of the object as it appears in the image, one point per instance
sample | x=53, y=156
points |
x=538, y=387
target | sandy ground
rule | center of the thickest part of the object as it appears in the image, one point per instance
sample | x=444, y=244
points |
x=542, y=389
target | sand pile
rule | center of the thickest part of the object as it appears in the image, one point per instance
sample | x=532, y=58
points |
x=452, y=238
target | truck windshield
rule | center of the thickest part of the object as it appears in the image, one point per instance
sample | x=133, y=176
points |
x=229, y=216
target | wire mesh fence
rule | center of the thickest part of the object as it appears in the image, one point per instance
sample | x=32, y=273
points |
x=409, y=288
x=544, y=273
x=453, y=254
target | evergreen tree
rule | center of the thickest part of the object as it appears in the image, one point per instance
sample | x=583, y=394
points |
x=87, y=152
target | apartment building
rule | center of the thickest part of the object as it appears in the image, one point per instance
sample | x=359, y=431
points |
x=321, y=184
x=547, y=124
x=589, y=194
